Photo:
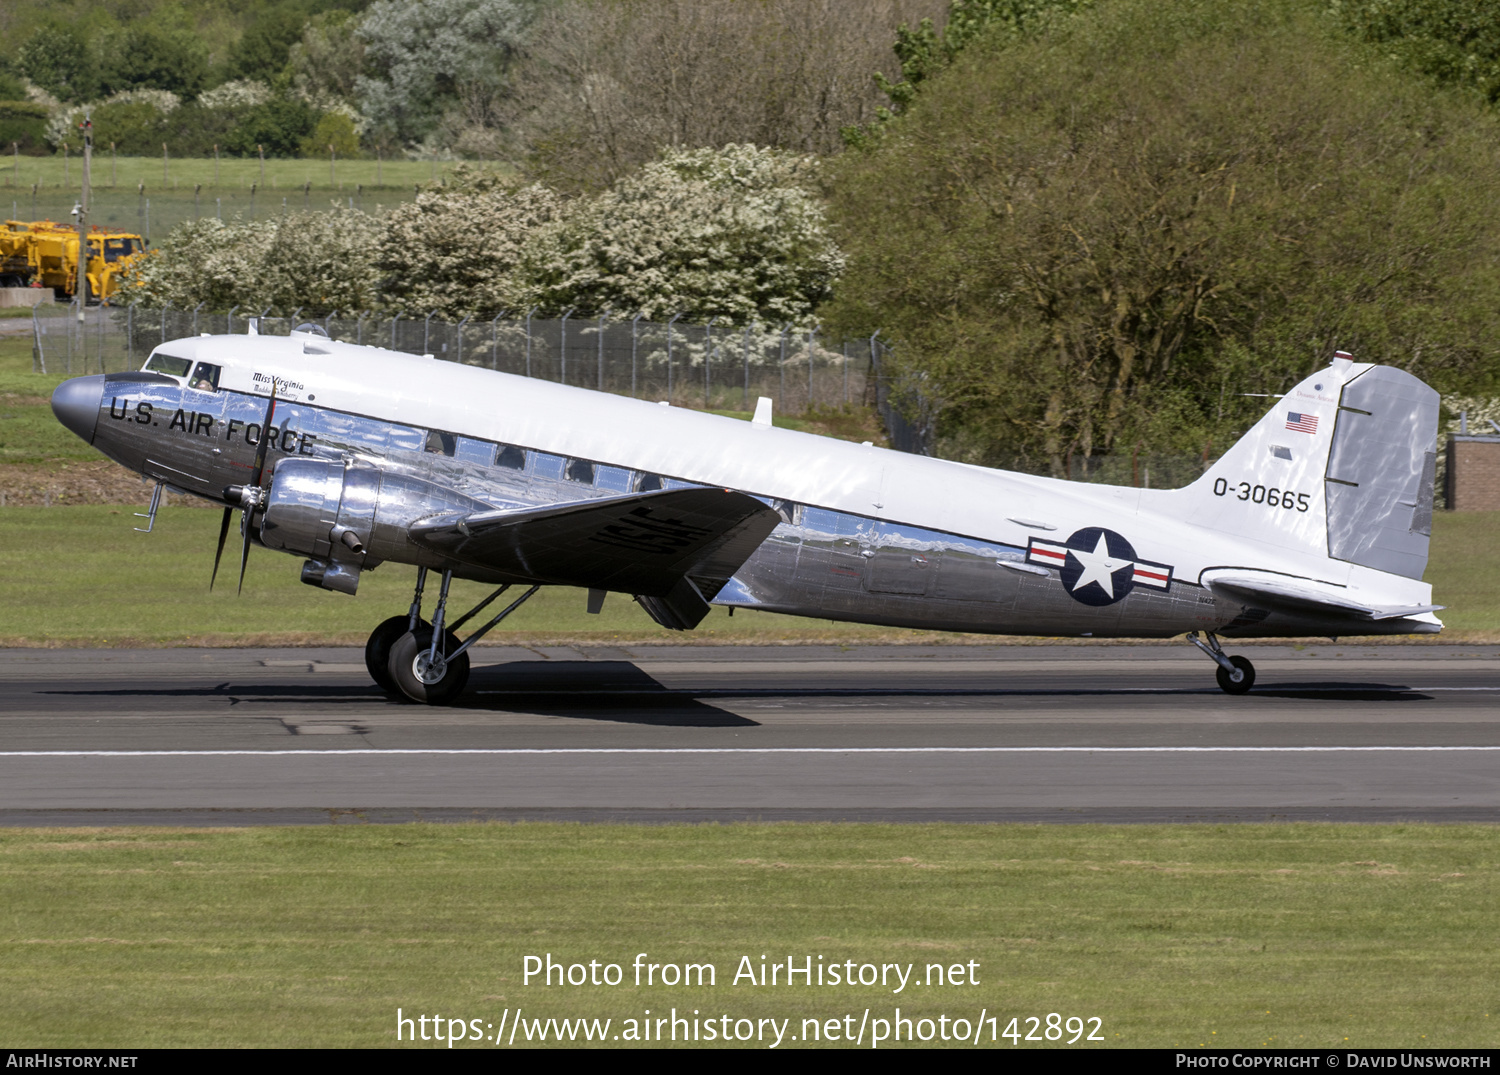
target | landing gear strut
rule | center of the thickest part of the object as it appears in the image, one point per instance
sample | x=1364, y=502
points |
x=1236, y=674
x=408, y=657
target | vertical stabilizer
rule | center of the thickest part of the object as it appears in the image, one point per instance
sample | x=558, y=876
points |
x=1341, y=466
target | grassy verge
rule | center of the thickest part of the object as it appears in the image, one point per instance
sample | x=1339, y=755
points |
x=1285, y=936
x=231, y=173
x=77, y=576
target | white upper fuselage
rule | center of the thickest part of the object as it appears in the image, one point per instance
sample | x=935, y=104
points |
x=1191, y=529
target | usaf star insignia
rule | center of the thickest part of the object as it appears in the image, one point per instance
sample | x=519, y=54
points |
x=1098, y=566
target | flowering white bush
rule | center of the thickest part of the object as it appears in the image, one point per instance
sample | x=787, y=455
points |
x=732, y=232
x=455, y=249
x=241, y=93
x=318, y=261
x=63, y=126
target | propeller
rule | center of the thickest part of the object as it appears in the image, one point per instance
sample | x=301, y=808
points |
x=250, y=496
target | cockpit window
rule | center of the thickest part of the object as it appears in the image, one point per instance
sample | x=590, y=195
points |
x=172, y=367
x=442, y=443
x=205, y=378
x=511, y=457
x=115, y=249
x=580, y=470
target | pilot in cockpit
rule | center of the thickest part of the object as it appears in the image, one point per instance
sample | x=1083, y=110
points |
x=205, y=378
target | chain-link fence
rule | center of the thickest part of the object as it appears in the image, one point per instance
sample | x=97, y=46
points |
x=714, y=366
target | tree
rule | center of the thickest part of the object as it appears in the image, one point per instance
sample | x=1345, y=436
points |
x=732, y=233
x=456, y=249
x=1456, y=42
x=1096, y=238
x=146, y=56
x=57, y=59
x=608, y=84
x=423, y=54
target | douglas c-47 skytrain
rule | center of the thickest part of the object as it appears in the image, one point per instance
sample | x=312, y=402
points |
x=1315, y=523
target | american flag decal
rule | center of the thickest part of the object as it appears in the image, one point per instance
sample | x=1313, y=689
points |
x=1301, y=423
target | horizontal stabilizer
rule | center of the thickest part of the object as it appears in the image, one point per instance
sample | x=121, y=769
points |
x=641, y=543
x=1304, y=595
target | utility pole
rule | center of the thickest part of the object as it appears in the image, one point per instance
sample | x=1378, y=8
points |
x=87, y=126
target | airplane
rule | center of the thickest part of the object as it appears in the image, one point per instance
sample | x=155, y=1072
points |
x=1316, y=522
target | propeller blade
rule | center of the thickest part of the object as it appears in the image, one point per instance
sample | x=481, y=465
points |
x=219, y=555
x=265, y=439
x=261, y=450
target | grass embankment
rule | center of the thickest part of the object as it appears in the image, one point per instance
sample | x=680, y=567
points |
x=18, y=174
x=1314, y=936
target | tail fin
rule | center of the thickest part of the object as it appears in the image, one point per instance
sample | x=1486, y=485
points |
x=1342, y=466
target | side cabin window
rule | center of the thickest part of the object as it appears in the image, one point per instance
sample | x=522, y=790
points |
x=170, y=365
x=205, y=377
x=648, y=483
x=546, y=465
x=439, y=443
x=580, y=471
x=511, y=457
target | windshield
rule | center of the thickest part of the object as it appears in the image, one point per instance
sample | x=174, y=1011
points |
x=115, y=249
x=172, y=367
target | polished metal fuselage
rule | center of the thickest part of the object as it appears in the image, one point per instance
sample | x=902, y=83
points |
x=818, y=562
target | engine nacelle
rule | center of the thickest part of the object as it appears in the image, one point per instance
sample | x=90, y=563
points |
x=347, y=517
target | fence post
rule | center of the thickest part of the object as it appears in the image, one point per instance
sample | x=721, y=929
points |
x=810, y=333
x=781, y=402
x=873, y=369
x=708, y=354
x=528, y=339
x=38, y=355
x=669, y=356
x=393, y=328
x=359, y=327
x=229, y=321
x=195, y=315
x=164, y=309
x=495, y=340
x=603, y=314
x=745, y=395
x=427, y=333
x=633, y=321
x=458, y=333
x=562, y=351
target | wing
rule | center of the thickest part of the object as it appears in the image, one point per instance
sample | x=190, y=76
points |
x=673, y=548
x=1304, y=596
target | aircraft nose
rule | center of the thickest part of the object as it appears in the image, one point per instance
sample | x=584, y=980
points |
x=76, y=404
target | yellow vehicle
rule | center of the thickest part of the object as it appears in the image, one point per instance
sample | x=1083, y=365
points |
x=41, y=253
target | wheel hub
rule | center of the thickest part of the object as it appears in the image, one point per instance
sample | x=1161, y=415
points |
x=429, y=669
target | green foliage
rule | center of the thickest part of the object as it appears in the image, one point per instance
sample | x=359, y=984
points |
x=25, y=124
x=334, y=129
x=57, y=59
x=1095, y=238
x=147, y=56
x=1456, y=42
x=280, y=126
x=261, y=52
x=923, y=51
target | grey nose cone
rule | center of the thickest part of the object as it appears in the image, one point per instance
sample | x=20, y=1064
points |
x=76, y=404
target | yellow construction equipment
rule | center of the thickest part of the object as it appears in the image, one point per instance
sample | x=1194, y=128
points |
x=41, y=253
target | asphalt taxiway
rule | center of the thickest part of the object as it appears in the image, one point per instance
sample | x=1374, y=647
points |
x=901, y=733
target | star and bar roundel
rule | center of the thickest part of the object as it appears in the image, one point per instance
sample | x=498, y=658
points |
x=1098, y=566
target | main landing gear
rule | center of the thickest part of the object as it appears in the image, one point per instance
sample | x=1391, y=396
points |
x=1236, y=674
x=408, y=657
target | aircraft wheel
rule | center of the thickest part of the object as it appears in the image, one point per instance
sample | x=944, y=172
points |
x=436, y=683
x=378, y=652
x=1240, y=680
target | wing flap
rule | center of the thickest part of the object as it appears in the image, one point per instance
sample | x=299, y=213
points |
x=1306, y=596
x=640, y=543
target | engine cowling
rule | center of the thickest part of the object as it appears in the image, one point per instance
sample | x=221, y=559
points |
x=347, y=517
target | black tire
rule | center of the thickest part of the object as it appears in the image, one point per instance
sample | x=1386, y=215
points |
x=378, y=652
x=403, y=668
x=1227, y=683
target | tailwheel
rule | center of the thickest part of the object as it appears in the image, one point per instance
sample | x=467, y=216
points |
x=425, y=675
x=1240, y=679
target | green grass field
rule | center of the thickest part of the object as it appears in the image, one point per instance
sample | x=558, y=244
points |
x=1317, y=936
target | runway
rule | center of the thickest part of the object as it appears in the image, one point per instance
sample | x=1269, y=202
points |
x=649, y=733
